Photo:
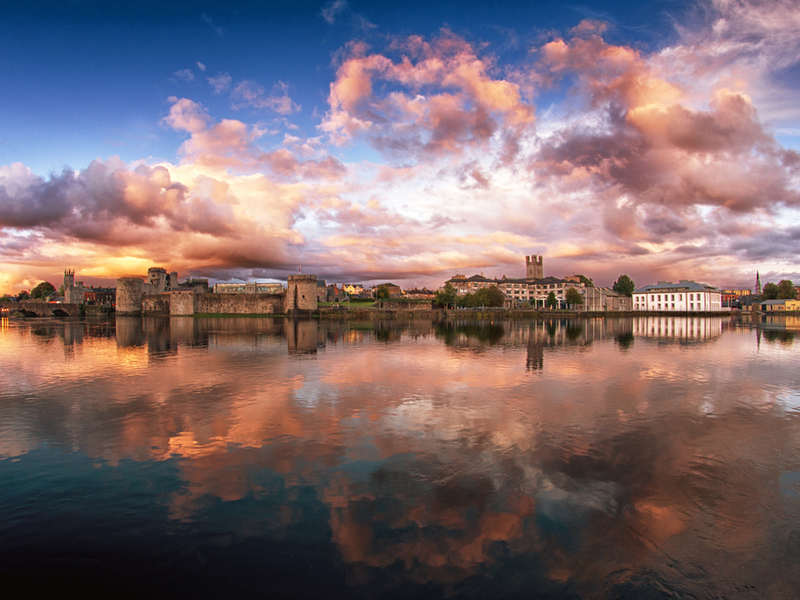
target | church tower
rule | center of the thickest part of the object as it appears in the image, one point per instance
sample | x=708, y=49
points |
x=758, y=284
x=72, y=295
x=534, y=267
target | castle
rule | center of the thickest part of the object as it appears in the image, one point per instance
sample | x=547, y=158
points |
x=161, y=295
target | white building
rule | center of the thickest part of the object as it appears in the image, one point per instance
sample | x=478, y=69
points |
x=684, y=296
x=248, y=288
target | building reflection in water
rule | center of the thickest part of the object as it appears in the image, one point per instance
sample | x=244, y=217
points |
x=129, y=332
x=304, y=336
x=685, y=328
x=570, y=457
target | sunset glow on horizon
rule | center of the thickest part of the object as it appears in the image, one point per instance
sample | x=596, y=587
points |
x=403, y=143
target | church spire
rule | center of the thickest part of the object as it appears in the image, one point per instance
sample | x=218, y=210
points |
x=758, y=284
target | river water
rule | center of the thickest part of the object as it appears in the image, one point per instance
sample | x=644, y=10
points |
x=650, y=457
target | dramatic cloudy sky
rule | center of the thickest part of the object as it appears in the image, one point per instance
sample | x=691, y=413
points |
x=405, y=141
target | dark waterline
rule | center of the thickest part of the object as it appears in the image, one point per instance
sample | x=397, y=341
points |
x=605, y=458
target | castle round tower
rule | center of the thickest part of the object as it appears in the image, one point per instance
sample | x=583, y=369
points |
x=301, y=294
x=129, y=295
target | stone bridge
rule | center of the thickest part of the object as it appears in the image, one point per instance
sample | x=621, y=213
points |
x=43, y=309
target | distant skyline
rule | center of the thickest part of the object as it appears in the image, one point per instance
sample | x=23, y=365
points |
x=405, y=142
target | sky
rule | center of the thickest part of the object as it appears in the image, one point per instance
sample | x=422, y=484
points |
x=372, y=141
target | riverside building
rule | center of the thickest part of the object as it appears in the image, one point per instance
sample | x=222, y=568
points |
x=684, y=296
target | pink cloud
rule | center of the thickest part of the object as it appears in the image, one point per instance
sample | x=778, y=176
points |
x=660, y=154
x=185, y=115
x=661, y=165
x=231, y=144
x=440, y=98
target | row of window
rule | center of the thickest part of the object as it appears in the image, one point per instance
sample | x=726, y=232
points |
x=672, y=297
x=667, y=306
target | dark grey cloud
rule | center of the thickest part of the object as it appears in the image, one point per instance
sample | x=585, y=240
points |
x=101, y=202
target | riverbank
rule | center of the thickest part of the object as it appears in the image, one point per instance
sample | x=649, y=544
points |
x=375, y=313
x=500, y=313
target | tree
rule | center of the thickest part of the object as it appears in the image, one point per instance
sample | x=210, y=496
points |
x=23, y=295
x=467, y=300
x=43, y=290
x=624, y=285
x=586, y=281
x=573, y=296
x=770, y=291
x=494, y=297
x=786, y=290
x=445, y=297
x=551, y=301
x=490, y=296
x=382, y=292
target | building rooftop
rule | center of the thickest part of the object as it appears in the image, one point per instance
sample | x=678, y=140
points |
x=684, y=285
x=608, y=291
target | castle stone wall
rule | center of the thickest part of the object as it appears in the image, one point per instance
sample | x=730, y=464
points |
x=182, y=303
x=240, y=304
x=155, y=304
x=136, y=297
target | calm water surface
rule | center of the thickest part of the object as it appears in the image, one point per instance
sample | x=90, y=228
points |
x=206, y=458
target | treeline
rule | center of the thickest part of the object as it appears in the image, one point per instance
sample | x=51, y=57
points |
x=43, y=290
x=783, y=290
x=491, y=297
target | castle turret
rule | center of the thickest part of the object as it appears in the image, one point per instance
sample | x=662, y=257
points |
x=301, y=294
